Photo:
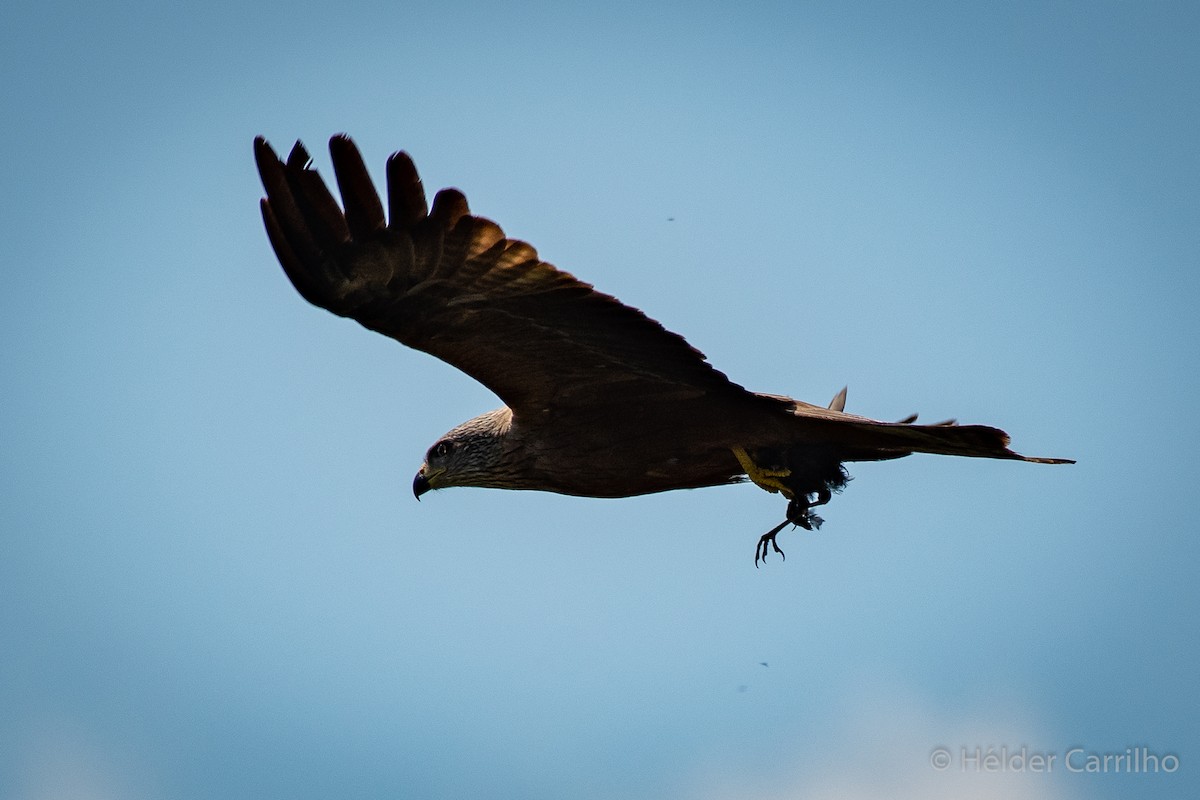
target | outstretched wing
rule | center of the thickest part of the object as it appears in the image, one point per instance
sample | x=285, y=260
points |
x=453, y=285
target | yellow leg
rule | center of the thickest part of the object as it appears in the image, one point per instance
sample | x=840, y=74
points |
x=765, y=478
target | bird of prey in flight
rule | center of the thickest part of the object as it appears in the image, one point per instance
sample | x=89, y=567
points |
x=600, y=400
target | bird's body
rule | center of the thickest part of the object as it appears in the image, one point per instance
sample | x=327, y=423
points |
x=575, y=457
x=601, y=401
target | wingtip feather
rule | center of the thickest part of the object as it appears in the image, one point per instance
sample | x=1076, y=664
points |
x=299, y=158
x=270, y=168
x=292, y=265
x=449, y=206
x=406, y=194
x=364, y=211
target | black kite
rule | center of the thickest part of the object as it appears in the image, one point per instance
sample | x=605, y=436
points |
x=601, y=400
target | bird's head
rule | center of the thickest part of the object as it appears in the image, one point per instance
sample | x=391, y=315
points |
x=470, y=455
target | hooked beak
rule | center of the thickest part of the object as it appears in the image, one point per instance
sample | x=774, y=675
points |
x=420, y=484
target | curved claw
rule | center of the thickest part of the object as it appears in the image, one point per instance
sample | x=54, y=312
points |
x=768, y=538
x=799, y=512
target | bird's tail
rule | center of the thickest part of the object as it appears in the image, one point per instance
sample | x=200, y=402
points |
x=857, y=438
x=868, y=440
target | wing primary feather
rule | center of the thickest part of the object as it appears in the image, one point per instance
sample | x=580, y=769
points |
x=449, y=206
x=292, y=266
x=364, y=211
x=406, y=193
x=325, y=219
x=298, y=158
x=290, y=222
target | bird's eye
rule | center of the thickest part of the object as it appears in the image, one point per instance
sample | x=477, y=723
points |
x=443, y=449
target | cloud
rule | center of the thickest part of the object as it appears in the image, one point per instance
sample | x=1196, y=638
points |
x=61, y=759
x=889, y=744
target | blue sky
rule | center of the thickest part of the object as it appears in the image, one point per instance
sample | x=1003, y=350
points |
x=215, y=582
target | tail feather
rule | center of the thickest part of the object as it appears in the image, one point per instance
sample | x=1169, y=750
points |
x=855, y=438
x=870, y=440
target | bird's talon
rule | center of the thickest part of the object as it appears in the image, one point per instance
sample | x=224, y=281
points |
x=760, y=550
